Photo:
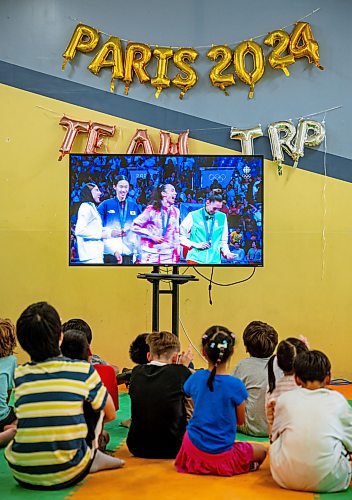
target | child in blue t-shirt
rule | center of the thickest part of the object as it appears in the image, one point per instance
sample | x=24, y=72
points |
x=208, y=445
x=7, y=370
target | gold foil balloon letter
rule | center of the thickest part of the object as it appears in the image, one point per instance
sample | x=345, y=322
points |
x=84, y=39
x=246, y=137
x=280, y=40
x=249, y=77
x=161, y=81
x=303, y=44
x=95, y=140
x=109, y=56
x=137, y=57
x=167, y=147
x=74, y=127
x=309, y=133
x=140, y=139
x=190, y=79
x=216, y=77
x=280, y=142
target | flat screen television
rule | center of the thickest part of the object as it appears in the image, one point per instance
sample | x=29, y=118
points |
x=166, y=210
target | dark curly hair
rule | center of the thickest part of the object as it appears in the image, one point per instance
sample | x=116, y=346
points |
x=139, y=349
x=7, y=337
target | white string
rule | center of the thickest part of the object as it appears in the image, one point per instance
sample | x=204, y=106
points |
x=319, y=112
x=190, y=341
x=229, y=127
x=180, y=320
x=259, y=36
x=324, y=208
x=50, y=110
x=205, y=46
x=209, y=128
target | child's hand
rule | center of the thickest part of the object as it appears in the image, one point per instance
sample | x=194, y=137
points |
x=270, y=411
x=186, y=357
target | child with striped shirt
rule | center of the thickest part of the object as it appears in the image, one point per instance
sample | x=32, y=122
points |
x=51, y=449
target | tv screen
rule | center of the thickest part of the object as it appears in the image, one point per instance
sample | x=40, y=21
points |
x=166, y=210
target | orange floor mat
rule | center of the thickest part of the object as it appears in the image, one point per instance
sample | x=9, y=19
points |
x=346, y=390
x=150, y=479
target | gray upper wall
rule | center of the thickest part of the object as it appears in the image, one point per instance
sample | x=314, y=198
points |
x=34, y=34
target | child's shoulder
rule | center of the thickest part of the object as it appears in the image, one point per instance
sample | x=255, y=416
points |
x=178, y=370
x=8, y=361
x=163, y=370
x=199, y=374
x=54, y=366
x=335, y=396
x=250, y=363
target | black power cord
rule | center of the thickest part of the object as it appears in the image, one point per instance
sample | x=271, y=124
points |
x=211, y=282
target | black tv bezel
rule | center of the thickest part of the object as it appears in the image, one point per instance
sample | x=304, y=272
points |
x=167, y=266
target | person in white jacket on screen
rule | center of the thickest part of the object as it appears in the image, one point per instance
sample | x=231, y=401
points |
x=89, y=229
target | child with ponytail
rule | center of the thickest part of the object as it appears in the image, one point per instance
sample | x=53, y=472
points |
x=286, y=353
x=208, y=445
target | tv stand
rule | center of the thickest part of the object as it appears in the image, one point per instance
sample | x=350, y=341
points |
x=176, y=280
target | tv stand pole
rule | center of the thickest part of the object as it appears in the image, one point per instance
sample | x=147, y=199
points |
x=176, y=280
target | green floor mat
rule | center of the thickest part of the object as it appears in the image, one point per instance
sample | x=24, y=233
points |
x=342, y=495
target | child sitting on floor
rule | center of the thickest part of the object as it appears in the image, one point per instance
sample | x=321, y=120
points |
x=138, y=354
x=82, y=326
x=286, y=353
x=75, y=346
x=7, y=370
x=209, y=446
x=260, y=340
x=51, y=449
x=158, y=410
x=312, y=431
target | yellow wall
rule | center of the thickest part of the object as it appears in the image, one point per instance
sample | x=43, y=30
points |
x=304, y=287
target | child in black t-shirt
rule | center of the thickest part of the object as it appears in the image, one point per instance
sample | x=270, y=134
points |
x=159, y=417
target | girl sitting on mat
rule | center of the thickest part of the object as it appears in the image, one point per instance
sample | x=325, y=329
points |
x=286, y=353
x=208, y=445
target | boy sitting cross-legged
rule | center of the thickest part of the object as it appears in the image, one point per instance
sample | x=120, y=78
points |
x=260, y=340
x=312, y=431
x=51, y=449
x=158, y=410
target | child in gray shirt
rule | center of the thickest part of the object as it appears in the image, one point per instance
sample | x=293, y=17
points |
x=260, y=340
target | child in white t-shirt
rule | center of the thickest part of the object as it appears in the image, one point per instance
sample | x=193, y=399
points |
x=312, y=431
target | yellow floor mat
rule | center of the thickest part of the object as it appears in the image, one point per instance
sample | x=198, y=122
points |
x=148, y=479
